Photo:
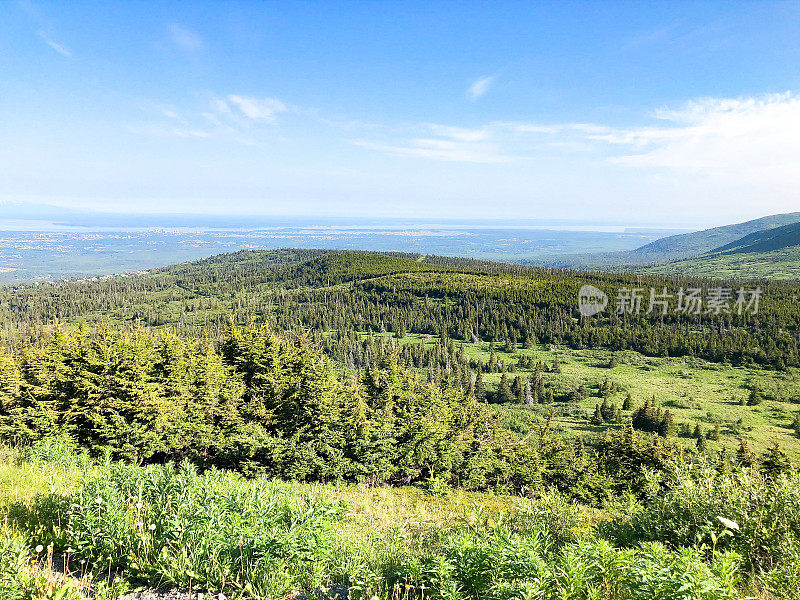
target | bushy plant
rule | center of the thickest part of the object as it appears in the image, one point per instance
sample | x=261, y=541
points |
x=699, y=505
x=166, y=525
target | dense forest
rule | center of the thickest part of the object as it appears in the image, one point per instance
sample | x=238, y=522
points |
x=325, y=291
x=265, y=404
x=296, y=364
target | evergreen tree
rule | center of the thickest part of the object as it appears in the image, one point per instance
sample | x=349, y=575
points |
x=504, y=393
x=745, y=456
x=755, y=397
x=667, y=426
x=774, y=461
x=627, y=404
x=597, y=417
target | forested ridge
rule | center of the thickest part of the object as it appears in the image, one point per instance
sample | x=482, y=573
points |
x=322, y=291
x=221, y=360
x=261, y=403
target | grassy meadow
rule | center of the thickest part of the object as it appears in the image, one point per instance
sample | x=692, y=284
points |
x=74, y=529
x=696, y=391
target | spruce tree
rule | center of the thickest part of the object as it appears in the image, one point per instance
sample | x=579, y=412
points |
x=627, y=404
x=597, y=417
x=504, y=393
x=667, y=426
x=774, y=461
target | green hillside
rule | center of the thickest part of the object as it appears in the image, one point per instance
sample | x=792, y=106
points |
x=764, y=241
x=675, y=248
x=700, y=242
x=277, y=423
x=455, y=318
x=770, y=254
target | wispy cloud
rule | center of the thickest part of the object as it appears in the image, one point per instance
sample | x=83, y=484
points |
x=60, y=48
x=185, y=40
x=751, y=140
x=479, y=87
x=231, y=117
x=437, y=149
x=43, y=27
x=256, y=109
x=446, y=143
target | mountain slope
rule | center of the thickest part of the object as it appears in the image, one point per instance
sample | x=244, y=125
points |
x=764, y=241
x=671, y=248
x=700, y=242
x=783, y=264
x=770, y=254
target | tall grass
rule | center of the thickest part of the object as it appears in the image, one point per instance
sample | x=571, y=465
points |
x=171, y=526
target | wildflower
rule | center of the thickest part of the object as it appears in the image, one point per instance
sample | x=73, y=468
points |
x=70, y=550
x=99, y=500
x=728, y=523
x=39, y=548
x=152, y=527
x=139, y=505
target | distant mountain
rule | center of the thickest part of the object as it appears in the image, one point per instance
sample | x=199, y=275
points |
x=671, y=248
x=700, y=242
x=770, y=254
x=764, y=241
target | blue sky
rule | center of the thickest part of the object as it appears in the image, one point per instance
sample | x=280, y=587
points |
x=671, y=113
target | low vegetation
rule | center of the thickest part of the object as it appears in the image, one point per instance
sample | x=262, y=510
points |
x=713, y=535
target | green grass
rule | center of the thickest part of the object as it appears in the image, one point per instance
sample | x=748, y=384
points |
x=695, y=390
x=164, y=526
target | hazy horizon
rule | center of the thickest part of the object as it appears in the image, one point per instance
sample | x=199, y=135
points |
x=669, y=114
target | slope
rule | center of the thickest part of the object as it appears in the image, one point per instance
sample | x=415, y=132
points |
x=764, y=241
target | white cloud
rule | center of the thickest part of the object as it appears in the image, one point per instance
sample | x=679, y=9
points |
x=60, y=48
x=220, y=105
x=459, y=133
x=749, y=140
x=479, y=87
x=257, y=109
x=185, y=40
x=446, y=143
x=731, y=141
x=443, y=150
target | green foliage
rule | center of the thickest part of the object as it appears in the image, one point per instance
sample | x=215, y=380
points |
x=689, y=506
x=262, y=404
x=216, y=531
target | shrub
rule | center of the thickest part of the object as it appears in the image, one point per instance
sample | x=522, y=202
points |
x=166, y=525
x=684, y=506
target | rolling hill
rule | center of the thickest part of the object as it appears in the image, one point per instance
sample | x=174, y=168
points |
x=676, y=247
x=764, y=241
x=700, y=242
x=770, y=254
